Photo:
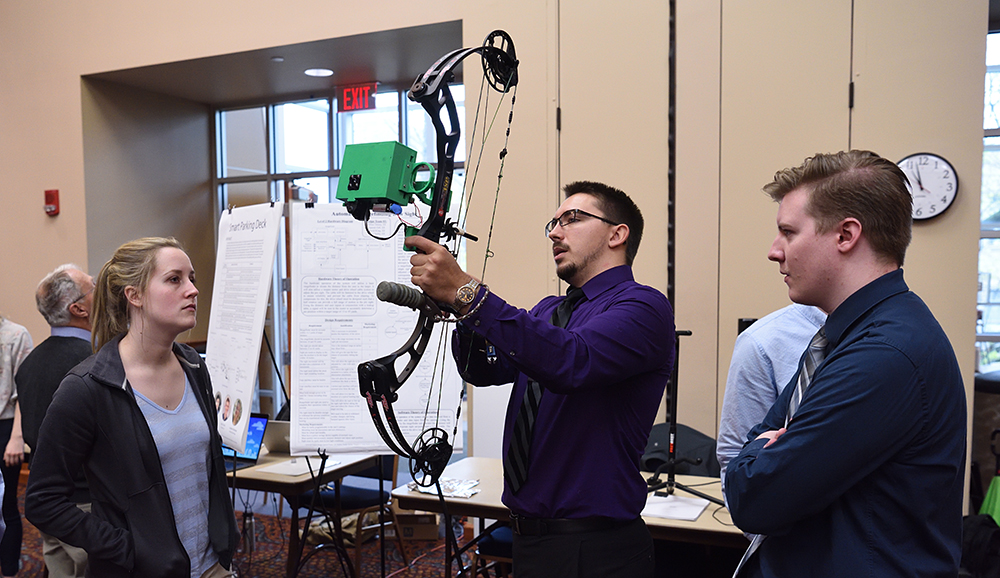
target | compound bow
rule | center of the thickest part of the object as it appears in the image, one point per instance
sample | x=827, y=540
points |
x=379, y=382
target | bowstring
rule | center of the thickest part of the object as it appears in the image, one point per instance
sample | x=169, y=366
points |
x=496, y=197
x=465, y=203
x=434, y=372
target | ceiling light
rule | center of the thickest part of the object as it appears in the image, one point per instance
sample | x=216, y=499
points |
x=319, y=72
x=277, y=59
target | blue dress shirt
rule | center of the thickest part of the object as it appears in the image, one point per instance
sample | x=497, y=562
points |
x=604, y=377
x=765, y=357
x=868, y=479
x=71, y=332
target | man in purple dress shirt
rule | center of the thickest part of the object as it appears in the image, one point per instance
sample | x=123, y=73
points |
x=575, y=511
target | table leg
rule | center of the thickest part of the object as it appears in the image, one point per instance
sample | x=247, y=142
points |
x=293, y=538
x=447, y=546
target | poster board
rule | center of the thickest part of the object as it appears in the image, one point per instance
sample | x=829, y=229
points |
x=338, y=323
x=244, y=265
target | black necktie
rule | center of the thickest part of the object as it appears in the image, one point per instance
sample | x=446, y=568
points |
x=515, y=463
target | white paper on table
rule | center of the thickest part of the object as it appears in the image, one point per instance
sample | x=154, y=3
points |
x=450, y=488
x=674, y=507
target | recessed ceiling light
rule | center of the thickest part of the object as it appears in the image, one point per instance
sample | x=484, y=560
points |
x=277, y=59
x=319, y=72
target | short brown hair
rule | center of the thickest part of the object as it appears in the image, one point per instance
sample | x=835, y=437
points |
x=858, y=184
x=617, y=207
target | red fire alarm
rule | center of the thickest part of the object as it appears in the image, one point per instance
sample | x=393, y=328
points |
x=52, y=202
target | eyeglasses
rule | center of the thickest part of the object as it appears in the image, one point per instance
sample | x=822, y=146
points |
x=82, y=295
x=572, y=216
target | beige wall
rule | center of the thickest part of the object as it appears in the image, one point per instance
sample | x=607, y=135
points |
x=760, y=86
x=146, y=173
x=784, y=96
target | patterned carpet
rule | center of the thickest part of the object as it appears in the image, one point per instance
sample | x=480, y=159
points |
x=32, y=565
x=676, y=560
x=268, y=559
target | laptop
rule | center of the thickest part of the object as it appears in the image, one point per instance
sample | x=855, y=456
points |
x=255, y=435
x=277, y=437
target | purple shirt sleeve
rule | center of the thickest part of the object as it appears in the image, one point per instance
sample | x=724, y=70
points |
x=603, y=376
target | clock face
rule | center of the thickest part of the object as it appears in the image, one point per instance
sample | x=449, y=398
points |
x=933, y=184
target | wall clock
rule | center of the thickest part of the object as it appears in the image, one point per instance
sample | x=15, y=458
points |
x=933, y=183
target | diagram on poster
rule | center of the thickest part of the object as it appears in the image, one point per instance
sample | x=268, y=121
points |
x=338, y=323
x=248, y=238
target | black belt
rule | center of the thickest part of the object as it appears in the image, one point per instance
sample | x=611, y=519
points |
x=543, y=526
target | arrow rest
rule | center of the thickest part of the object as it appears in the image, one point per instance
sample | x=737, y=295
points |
x=452, y=231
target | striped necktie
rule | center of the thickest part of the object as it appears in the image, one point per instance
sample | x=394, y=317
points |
x=515, y=463
x=811, y=359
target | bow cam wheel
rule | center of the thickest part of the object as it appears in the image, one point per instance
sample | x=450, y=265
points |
x=499, y=61
x=431, y=452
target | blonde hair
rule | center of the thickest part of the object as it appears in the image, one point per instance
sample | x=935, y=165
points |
x=131, y=265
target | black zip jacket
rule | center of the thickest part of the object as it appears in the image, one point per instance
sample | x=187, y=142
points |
x=95, y=423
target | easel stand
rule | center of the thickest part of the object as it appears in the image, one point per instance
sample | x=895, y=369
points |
x=667, y=488
x=338, y=533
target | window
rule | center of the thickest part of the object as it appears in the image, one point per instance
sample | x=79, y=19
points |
x=988, y=324
x=246, y=130
x=376, y=125
x=300, y=136
x=291, y=151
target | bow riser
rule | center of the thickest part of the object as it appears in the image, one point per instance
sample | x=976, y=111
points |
x=447, y=143
x=379, y=376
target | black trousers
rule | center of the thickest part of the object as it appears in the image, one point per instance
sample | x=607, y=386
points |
x=624, y=552
x=10, y=544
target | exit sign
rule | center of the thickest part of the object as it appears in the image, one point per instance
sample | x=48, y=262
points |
x=356, y=97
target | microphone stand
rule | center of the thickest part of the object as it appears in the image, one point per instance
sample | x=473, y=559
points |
x=670, y=465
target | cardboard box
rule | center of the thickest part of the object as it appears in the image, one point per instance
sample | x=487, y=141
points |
x=416, y=526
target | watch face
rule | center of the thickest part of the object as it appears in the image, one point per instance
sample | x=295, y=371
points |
x=933, y=184
x=466, y=295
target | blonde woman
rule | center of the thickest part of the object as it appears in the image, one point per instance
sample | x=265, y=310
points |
x=139, y=417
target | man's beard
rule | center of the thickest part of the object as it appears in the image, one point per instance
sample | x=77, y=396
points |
x=569, y=269
x=566, y=271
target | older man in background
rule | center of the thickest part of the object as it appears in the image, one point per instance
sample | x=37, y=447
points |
x=64, y=298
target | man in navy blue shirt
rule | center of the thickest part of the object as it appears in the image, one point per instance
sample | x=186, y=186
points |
x=862, y=475
x=575, y=493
